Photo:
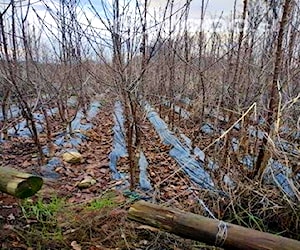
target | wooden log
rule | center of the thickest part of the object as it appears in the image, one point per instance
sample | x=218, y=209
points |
x=19, y=184
x=209, y=231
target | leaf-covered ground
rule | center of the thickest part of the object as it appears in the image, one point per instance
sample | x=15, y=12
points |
x=73, y=225
x=68, y=215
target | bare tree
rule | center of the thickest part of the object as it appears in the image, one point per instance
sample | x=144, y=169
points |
x=272, y=108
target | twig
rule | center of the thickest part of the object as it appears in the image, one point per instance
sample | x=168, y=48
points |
x=228, y=130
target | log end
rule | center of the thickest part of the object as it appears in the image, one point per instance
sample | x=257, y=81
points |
x=26, y=187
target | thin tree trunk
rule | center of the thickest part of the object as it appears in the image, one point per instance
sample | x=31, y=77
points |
x=272, y=109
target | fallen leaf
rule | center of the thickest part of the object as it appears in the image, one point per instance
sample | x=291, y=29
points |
x=11, y=217
x=75, y=245
x=145, y=227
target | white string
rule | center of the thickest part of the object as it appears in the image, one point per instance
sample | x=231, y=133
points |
x=206, y=208
x=221, y=236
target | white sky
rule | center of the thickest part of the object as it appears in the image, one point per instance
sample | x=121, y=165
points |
x=213, y=11
x=214, y=7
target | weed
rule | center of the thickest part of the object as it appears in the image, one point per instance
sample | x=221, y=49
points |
x=106, y=201
x=41, y=217
x=42, y=210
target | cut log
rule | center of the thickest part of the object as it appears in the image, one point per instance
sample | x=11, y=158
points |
x=19, y=184
x=209, y=231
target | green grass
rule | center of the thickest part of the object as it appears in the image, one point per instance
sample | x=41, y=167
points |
x=107, y=201
x=42, y=221
x=41, y=210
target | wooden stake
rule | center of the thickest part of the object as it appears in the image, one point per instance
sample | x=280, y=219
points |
x=210, y=231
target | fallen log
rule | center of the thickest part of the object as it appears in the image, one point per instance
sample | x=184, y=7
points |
x=209, y=231
x=19, y=184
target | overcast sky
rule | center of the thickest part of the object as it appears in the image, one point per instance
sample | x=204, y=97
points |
x=213, y=10
x=214, y=7
x=217, y=6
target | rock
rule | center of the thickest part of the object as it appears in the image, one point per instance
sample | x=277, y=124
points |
x=87, y=182
x=72, y=157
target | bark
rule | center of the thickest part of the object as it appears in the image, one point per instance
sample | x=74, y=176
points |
x=263, y=154
x=19, y=184
x=207, y=230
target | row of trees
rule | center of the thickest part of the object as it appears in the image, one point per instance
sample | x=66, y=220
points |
x=152, y=55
